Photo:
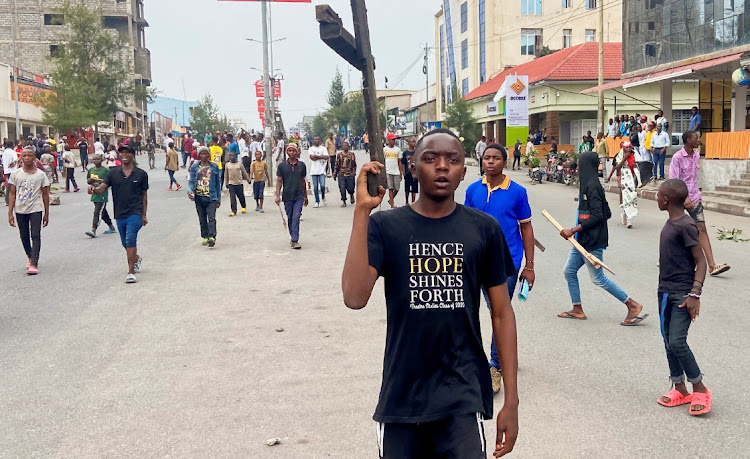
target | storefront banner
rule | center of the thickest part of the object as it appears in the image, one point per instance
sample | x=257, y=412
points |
x=517, y=100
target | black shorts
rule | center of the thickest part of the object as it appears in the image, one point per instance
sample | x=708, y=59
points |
x=411, y=185
x=458, y=436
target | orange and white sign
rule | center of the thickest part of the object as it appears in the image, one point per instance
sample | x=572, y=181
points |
x=517, y=101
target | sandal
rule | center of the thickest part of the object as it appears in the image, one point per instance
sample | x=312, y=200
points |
x=699, y=398
x=632, y=321
x=568, y=315
x=719, y=269
x=676, y=398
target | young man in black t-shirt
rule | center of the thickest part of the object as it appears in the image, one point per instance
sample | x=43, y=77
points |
x=435, y=257
x=410, y=183
x=291, y=176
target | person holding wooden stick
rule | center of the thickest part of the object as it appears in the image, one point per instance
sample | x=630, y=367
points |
x=591, y=233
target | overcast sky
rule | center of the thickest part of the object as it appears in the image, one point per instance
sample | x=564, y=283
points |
x=201, y=43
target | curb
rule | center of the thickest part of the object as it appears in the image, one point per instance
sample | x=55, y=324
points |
x=738, y=209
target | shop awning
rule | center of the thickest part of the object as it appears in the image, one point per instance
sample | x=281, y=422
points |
x=675, y=72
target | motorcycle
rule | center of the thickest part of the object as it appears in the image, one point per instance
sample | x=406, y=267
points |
x=570, y=169
x=535, y=172
x=553, y=172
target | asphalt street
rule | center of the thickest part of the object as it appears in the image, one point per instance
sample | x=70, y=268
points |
x=215, y=351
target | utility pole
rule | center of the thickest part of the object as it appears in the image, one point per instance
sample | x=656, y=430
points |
x=385, y=104
x=19, y=134
x=601, y=64
x=358, y=52
x=267, y=91
x=426, y=83
x=272, y=70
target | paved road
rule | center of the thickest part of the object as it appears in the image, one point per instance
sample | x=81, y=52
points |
x=188, y=362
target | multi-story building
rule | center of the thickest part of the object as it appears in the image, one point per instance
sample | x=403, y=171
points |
x=40, y=28
x=477, y=39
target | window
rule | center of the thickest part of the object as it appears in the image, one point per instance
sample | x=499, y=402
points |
x=680, y=121
x=55, y=50
x=533, y=7
x=464, y=86
x=531, y=41
x=651, y=25
x=465, y=54
x=567, y=38
x=464, y=17
x=590, y=35
x=650, y=50
x=53, y=19
x=590, y=4
x=566, y=3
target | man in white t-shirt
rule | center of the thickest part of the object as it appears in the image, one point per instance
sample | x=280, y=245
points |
x=393, y=170
x=10, y=160
x=258, y=145
x=280, y=155
x=98, y=147
x=479, y=150
x=318, y=165
x=529, y=146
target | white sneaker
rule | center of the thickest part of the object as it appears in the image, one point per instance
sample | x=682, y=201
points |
x=624, y=218
x=137, y=265
x=131, y=279
x=325, y=203
x=629, y=224
x=317, y=205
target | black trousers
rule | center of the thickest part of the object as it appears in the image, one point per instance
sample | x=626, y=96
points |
x=346, y=185
x=237, y=192
x=100, y=212
x=516, y=160
x=206, y=209
x=70, y=177
x=246, y=162
x=30, y=227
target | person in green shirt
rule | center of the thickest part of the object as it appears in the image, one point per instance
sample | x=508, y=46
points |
x=95, y=177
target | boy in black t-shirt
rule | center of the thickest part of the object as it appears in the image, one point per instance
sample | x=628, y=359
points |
x=410, y=182
x=682, y=270
x=435, y=256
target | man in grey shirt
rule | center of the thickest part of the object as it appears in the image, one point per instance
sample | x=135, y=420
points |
x=479, y=150
x=29, y=189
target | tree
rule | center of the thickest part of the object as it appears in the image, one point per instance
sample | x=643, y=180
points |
x=459, y=117
x=320, y=127
x=544, y=51
x=336, y=95
x=357, y=121
x=339, y=113
x=91, y=73
x=207, y=117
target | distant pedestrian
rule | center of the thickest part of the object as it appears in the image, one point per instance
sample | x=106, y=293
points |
x=280, y=148
x=592, y=233
x=682, y=271
x=244, y=147
x=47, y=161
x=695, y=121
x=319, y=161
x=479, y=151
x=98, y=147
x=167, y=140
x=660, y=140
x=259, y=173
x=29, y=188
x=625, y=165
x=217, y=157
x=411, y=185
x=366, y=142
x=95, y=177
x=290, y=176
x=187, y=148
x=602, y=150
x=345, y=172
x=517, y=155
x=129, y=185
x=111, y=157
x=331, y=147
x=393, y=169
x=684, y=166
x=70, y=169
x=204, y=188
x=10, y=164
x=234, y=178
x=83, y=152
x=172, y=165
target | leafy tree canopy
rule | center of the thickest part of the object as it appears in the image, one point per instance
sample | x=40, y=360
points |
x=460, y=118
x=207, y=117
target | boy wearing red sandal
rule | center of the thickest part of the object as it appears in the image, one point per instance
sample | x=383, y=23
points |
x=682, y=270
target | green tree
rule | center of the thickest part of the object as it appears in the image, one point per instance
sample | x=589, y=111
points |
x=339, y=113
x=320, y=127
x=207, y=117
x=459, y=117
x=357, y=121
x=90, y=73
x=544, y=51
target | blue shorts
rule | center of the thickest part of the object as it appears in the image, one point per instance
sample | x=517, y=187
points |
x=128, y=228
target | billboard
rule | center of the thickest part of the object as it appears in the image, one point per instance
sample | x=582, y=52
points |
x=517, y=100
x=29, y=93
x=162, y=127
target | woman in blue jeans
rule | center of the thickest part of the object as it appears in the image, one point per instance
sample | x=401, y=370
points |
x=591, y=232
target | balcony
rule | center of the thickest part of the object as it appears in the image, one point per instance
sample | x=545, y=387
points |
x=143, y=64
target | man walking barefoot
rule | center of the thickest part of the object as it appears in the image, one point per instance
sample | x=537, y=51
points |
x=29, y=190
x=129, y=185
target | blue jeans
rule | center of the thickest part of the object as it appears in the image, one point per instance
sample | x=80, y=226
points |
x=319, y=180
x=575, y=262
x=171, y=178
x=494, y=360
x=660, y=155
x=128, y=228
x=293, y=213
x=675, y=322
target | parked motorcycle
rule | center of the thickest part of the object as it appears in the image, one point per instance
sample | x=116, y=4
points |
x=569, y=168
x=553, y=172
x=535, y=172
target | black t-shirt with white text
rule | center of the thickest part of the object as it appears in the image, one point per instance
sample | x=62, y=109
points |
x=434, y=365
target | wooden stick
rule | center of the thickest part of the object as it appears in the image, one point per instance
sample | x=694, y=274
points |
x=283, y=218
x=591, y=259
x=539, y=245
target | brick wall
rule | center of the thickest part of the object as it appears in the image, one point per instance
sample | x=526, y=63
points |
x=26, y=5
x=553, y=126
x=5, y=26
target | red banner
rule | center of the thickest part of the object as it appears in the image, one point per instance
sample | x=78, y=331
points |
x=261, y=106
x=260, y=91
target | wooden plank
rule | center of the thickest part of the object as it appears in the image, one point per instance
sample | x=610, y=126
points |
x=591, y=259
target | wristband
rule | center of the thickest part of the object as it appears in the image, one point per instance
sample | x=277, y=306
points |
x=526, y=268
x=694, y=295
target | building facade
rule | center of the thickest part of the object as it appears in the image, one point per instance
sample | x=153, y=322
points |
x=477, y=39
x=40, y=28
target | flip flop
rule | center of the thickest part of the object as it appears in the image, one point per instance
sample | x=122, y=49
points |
x=635, y=320
x=719, y=269
x=567, y=315
x=699, y=398
x=676, y=398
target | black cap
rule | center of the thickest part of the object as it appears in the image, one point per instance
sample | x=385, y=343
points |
x=127, y=148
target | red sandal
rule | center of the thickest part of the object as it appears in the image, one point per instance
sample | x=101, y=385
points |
x=676, y=398
x=699, y=398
